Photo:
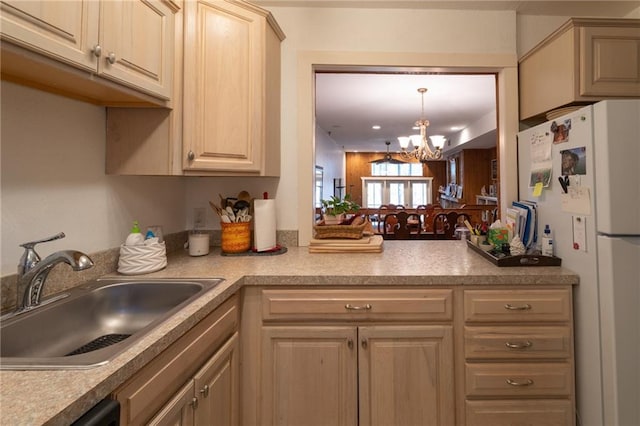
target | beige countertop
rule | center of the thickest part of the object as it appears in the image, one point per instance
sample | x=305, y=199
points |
x=59, y=396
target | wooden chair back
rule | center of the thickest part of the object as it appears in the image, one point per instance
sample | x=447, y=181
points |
x=444, y=225
x=426, y=213
x=401, y=226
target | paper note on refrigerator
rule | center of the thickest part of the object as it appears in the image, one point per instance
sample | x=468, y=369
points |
x=579, y=233
x=577, y=200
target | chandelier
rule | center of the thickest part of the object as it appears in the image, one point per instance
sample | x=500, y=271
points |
x=423, y=150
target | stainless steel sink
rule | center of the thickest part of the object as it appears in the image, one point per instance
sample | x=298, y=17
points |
x=94, y=323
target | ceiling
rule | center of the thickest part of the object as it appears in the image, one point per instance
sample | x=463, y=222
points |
x=349, y=104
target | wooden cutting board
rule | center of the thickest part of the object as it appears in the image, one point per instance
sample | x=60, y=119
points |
x=374, y=245
x=339, y=241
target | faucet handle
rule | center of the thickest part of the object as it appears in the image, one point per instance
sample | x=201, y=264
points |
x=31, y=244
x=30, y=258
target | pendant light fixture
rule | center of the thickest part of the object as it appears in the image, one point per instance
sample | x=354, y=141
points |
x=423, y=149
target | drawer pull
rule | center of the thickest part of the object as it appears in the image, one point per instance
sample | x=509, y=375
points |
x=350, y=307
x=518, y=345
x=527, y=382
x=524, y=307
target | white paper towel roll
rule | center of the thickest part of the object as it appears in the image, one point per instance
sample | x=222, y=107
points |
x=264, y=229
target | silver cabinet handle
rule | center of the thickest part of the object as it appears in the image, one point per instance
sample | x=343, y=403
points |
x=364, y=343
x=518, y=345
x=527, y=382
x=111, y=58
x=191, y=155
x=524, y=307
x=205, y=391
x=97, y=50
x=350, y=307
x=194, y=403
x=350, y=343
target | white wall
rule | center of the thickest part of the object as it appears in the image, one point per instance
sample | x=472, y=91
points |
x=331, y=158
x=52, y=180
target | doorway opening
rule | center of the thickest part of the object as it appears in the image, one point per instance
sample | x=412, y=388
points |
x=358, y=113
x=504, y=66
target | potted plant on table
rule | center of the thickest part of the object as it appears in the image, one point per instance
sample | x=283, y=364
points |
x=335, y=209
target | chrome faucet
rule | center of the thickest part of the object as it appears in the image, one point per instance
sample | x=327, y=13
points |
x=33, y=272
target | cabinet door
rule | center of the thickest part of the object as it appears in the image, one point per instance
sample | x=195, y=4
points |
x=223, y=92
x=178, y=411
x=406, y=375
x=137, y=44
x=309, y=376
x=609, y=61
x=216, y=387
x=65, y=31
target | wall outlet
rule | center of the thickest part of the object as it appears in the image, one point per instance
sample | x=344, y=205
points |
x=199, y=218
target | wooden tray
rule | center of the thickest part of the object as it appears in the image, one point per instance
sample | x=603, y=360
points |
x=501, y=259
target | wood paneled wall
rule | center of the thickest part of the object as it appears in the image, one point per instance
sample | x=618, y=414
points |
x=475, y=172
x=357, y=165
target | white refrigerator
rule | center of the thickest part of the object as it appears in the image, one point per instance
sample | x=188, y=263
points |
x=596, y=232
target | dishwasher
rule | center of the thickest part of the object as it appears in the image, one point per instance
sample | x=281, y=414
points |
x=104, y=413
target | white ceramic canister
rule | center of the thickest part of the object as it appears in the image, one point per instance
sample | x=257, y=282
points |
x=198, y=244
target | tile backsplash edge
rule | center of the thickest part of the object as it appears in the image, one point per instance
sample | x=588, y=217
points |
x=62, y=277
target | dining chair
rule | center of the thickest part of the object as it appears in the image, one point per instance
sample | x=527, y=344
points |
x=444, y=225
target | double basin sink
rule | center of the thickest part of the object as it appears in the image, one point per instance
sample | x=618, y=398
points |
x=94, y=323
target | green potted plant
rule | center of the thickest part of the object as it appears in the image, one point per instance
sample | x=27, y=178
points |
x=336, y=208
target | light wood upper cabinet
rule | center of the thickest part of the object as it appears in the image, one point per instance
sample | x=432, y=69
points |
x=129, y=43
x=137, y=44
x=585, y=60
x=231, y=89
x=66, y=31
x=225, y=116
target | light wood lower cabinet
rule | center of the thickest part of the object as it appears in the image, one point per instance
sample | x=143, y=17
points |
x=465, y=355
x=364, y=375
x=406, y=375
x=508, y=413
x=309, y=376
x=193, y=381
x=518, y=355
x=211, y=398
x=350, y=357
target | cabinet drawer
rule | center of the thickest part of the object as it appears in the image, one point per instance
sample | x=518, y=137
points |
x=517, y=342
x=524, y=412
x=517, y=305
x=519, y=379
x=347, y=305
